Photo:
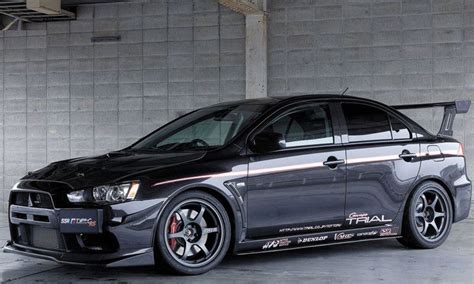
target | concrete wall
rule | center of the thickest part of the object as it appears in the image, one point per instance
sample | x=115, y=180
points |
x=394, y=51
x=62, y=96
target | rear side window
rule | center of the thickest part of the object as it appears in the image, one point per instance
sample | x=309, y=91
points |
x=399, y=130
x=304, y=126
x=366, y=123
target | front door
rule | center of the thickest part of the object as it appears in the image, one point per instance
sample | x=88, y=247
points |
x=382, y=164
x=300, y=188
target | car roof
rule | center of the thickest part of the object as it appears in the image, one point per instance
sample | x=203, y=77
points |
x=319, y=96
x=289, y=99
x=271, y=102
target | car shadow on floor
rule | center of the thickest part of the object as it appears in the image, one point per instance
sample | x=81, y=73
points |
x=235, y=263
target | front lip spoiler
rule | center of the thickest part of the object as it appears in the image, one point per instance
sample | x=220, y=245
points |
x=140, y=257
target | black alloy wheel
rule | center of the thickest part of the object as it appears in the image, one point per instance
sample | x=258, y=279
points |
x=428, y=217
x=193, y=235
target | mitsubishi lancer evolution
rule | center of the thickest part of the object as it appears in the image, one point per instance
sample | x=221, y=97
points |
x=250, y=176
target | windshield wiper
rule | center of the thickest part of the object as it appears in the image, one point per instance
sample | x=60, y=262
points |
x=166, y=147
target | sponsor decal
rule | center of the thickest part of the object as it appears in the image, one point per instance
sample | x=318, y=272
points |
x=276, y=244
x=343, y=236
x=391, y=231
x=79, y=221
x=367, y=234
x=310, y=228
x=312, y=239
x=364, y=218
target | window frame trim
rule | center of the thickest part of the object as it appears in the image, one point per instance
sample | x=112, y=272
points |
x=386, y=110
x=280, y=111
x=391, y=128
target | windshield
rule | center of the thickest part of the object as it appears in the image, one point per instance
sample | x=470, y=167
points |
x=206, y=128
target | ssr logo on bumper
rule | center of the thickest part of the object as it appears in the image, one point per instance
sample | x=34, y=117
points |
x=364, y=218
x=79, y=221
x=276, y=244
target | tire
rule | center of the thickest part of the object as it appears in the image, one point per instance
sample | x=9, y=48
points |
x=427, y=218
x=193, y=234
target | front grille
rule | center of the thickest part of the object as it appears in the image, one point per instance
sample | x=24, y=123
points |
x=44, y=238
x=34, y=220
x=55, y=191
x=37, y=237
x=32, y=199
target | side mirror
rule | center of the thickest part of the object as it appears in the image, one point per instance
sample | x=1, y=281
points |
x=267, y=142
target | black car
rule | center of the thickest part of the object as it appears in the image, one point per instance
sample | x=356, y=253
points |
x=249, y=176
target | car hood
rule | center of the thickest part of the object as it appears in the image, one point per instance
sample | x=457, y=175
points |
x=109, y=168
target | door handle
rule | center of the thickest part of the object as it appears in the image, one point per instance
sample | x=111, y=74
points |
x=332, y=162
x=407, y=156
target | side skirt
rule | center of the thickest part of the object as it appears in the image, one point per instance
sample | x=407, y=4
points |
x=389, y=231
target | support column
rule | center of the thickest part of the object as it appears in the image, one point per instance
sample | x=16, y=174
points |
x=255, y=44
x=256, y=56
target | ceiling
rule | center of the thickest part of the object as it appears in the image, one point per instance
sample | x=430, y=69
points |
x=15, y=10
x=66, y=3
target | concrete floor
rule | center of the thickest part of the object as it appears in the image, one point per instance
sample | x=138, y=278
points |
x=379, y=261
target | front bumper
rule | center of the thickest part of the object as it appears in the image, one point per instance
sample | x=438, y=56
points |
x=141, y=257
x=113, y=236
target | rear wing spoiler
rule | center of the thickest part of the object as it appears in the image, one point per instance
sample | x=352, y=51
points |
x=450, y=111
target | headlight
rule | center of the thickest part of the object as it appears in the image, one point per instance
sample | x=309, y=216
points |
x=106, y=193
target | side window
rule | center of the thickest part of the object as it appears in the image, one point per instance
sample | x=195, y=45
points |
x=304, y=126
x=399, y=130
x=366, y=123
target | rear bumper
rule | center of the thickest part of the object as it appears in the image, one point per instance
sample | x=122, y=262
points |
x=113, y=236
x=462, y=201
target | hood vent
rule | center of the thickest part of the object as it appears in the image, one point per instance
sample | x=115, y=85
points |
x=36, y=10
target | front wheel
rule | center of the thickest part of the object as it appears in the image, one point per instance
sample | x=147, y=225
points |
x=193, y=234
x=428, y=217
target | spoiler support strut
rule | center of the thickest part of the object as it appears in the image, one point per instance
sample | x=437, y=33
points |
x=450, y=111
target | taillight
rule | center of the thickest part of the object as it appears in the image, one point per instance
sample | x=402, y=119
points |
x=461, y=149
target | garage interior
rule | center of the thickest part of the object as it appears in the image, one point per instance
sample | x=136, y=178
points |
x=84, y=77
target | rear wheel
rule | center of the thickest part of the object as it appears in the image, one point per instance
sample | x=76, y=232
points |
x=193, y=234
x=428, y=217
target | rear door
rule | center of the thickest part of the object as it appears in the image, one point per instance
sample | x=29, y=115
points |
x=381, y=164
x=300, y=188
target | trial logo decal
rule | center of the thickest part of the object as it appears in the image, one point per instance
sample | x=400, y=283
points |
x=364, y=218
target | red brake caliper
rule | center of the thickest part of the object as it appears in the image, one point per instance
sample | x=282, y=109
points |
x=173, y=228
